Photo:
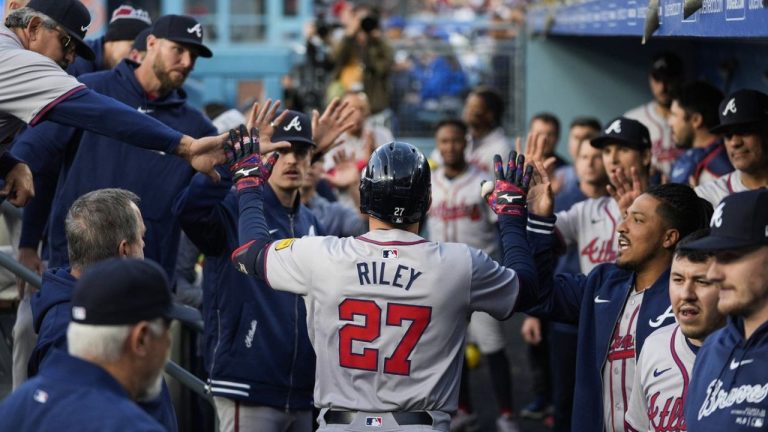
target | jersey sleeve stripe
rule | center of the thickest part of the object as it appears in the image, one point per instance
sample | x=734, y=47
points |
x=55, y=102
x=391, y=243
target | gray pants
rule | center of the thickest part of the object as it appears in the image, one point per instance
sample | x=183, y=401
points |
x=24, y=340
x=383, y=422
x=236, y=416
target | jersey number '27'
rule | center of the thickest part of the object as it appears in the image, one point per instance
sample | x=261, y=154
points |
x=370, y=330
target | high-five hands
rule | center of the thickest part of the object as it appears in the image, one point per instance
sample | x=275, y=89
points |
x=245, y=161
x=507, y=195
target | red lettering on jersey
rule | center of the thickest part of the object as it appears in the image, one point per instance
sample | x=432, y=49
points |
x=398, y=363
x=601, y=254
x=669, y=418
x=460, y=211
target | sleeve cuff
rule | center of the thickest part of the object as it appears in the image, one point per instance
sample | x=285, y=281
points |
x=540, y=224
x=7, y=162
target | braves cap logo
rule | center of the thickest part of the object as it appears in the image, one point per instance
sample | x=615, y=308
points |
x=730, y=107
x=295, y=124
x=196, y=29
x=717, y=216
x=615, y=127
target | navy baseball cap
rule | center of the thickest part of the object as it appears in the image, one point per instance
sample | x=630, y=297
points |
x=666, y=67
x=182, y=29
x=126, y=23
x=739, y=221
x=73, y=16
x=626, y=132
x=742, y=110
x=125, y=291
x=296, y=129
x=140, y=43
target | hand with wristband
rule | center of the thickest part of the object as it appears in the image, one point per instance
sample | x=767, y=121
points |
x=245, y=161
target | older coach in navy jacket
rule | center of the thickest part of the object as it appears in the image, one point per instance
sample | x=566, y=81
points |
x=78, y=162
x=616, y=306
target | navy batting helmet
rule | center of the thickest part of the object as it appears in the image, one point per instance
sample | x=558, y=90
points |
x=396, y=184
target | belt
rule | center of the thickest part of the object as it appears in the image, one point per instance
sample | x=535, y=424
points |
x=403, y=418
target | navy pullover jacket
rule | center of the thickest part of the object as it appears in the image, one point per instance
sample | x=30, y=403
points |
x=51, y=312
x=69, y=162
x=256, y=345
x=73, y=395
x=729, y=387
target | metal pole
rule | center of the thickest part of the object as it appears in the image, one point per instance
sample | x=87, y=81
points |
x=19, y=270
x=193, y=383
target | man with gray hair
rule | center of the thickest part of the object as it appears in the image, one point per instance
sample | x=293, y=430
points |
x=100, y=225
x=119, y=340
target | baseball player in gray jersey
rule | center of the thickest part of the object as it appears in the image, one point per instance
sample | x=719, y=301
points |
x=664, y=367
x=387, y=311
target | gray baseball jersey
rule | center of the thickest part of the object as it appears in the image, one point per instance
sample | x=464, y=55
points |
x=716, y=190
x=387, y=314
x=459, y=214
x=31, y=82
x=661, y=382
x=591, y=226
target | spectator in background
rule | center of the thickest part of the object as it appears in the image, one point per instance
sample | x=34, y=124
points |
x=693, y=114
x=116, y=44
x=744, y=123
x=119, y=340
x=443, y=82
x=665, y=77
x=364, y=61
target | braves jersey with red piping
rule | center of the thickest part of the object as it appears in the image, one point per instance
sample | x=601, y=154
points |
x=716, y=190
x=661, y=383
x=459, y=214
x=663, y=150
x=729, y=388
x=591, y=226
x=387, y=314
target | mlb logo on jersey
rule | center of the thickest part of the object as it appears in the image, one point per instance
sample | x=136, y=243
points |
x=373, y=421
x=389, y=253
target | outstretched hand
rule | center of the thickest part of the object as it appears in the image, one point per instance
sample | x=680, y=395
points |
x=507, y=195
x=624, y=190
x=328, y=127
x=245, y=160
x=541, y=199
x=262, y=118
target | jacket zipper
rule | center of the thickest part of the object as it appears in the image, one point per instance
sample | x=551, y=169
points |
x=215, y=348
x=295, y=334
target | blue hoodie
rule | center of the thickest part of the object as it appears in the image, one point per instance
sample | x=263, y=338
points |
x=51, y=311
x=256, y=345
x=82, y=66
x=69, y=162
x=729, y=387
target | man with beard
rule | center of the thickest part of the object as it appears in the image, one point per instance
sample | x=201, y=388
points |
x=665, y=365
x=102, y=224
x=692, y=115
x=729, y=388
x=78, y=161
x=617, y=305
x=118, y=341
x=664, y=80
x=744, y=123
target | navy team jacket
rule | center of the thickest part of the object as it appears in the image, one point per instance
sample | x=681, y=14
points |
x=594, y=303
x=729, y=387
x=51, y=311
x=73, y=395
x=256, y=344
x=82, y=66
x=68, y=162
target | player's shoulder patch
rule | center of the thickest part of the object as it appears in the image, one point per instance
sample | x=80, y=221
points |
x=282, y=244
